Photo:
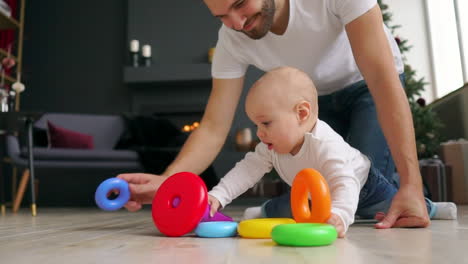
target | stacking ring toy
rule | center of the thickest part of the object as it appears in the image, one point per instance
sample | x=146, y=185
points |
x=260, y=227
x=105, y=187
x=216, y=229
x=217, y=217
x=180, y=203
x=304, y=234
x=310, y=181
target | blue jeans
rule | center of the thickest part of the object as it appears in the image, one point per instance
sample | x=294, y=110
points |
x=351, y=113
x=376, y=196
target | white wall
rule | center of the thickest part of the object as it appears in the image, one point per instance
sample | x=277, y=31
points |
x=410, y=14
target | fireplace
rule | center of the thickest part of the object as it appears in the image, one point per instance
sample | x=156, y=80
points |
x=170, y=110
x=183, y=103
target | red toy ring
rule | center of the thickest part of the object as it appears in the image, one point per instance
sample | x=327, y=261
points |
x=179, y=204
x=310, y=181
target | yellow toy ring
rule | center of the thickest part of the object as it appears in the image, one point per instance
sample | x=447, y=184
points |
x=310, y=181
x=261, y=227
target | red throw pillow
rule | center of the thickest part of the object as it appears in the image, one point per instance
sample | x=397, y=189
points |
x=60, y=137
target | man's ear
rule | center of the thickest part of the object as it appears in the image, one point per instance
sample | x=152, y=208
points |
x=303, y=111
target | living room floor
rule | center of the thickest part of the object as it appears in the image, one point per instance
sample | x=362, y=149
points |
x=88, y=235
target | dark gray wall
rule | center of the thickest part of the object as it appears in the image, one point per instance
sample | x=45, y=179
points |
x=75, y=52
x=73, y=56
x=179, y=31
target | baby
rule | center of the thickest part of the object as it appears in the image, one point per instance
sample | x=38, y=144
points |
x=283, y=106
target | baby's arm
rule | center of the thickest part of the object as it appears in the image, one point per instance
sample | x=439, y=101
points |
x=214, y=205
x=338, y=223
x=339, y=172
x=243, y=176
x=344, y=191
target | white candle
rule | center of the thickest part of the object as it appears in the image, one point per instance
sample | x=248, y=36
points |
x=134, y=45
x=146, y=50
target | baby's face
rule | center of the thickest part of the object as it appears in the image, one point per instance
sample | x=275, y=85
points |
x=277, y=127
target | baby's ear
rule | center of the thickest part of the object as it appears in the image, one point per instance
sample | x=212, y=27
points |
x=303, y=110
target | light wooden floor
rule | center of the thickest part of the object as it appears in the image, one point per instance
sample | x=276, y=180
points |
x=92, y=236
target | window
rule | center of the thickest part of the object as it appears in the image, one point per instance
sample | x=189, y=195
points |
x=445, y=44
x=461, y=9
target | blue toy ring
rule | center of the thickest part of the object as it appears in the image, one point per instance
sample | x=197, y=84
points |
x=108, y=185
x=216, y=229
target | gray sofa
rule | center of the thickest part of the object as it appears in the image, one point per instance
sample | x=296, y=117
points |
x=106, y=131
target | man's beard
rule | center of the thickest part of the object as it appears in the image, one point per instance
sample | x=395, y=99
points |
x=266, y=15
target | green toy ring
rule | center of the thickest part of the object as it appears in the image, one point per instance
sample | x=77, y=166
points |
x=304, y=234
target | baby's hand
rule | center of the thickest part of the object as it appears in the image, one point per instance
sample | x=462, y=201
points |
x=214, y=205
x=336, y=221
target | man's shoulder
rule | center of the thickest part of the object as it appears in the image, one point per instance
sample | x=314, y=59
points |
x=311, y=6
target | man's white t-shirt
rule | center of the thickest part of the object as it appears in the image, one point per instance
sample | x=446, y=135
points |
x=344, y=168
x=315, y=42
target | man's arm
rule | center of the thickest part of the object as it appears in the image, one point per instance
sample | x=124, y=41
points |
x=201, y=147
x=204, y=144
x=375, y=61
x=245, y=174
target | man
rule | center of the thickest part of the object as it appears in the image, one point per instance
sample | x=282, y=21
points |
x=340, y=44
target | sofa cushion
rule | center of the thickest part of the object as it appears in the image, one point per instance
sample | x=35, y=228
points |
x=60, y=137
x=105, y=129
x=82, y=154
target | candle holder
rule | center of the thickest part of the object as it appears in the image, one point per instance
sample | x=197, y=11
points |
x=134, y=53
x=146, y=53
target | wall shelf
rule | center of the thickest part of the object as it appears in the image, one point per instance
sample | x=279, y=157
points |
x=4, y=53
x=8, y=22
x=184, y=72
x=8, y=78
x=17, y=27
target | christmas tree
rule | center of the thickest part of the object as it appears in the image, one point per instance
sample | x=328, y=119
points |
x=426, y=122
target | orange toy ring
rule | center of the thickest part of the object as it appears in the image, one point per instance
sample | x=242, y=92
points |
x=310, y=181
